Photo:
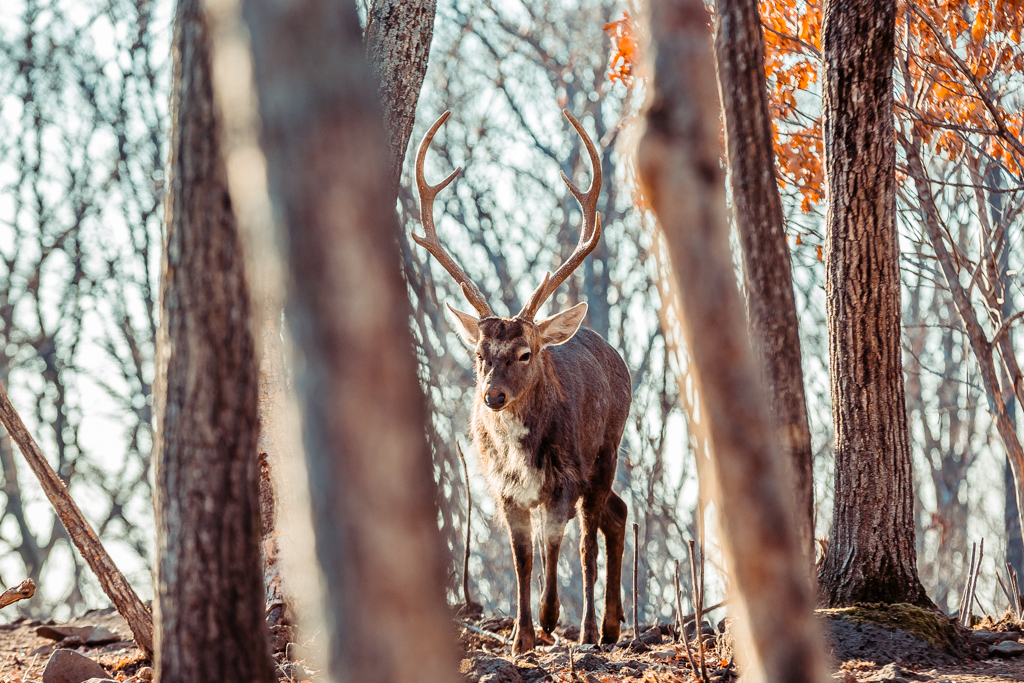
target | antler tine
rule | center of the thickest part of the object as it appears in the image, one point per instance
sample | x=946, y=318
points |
x=590, y=230
x=429, y=241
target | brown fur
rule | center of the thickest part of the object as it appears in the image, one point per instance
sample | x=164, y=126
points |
x=554, y=446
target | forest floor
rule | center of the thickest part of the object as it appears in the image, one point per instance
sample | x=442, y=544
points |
x=25, y=647
x=882, y=655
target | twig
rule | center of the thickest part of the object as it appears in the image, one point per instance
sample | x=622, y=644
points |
x=698, y=606
x=682, y=623
x=972, y=583
x=1016, y=602
x=999, y=580
x=636, y=570
x=477, y=629
x=967, y=586
x=469, y=518
x=1020, y=598
x=113, y=582
x=572, y=665
x=977, y=601
x=23, y=591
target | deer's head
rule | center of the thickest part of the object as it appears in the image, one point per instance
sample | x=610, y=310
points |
x=508, y=351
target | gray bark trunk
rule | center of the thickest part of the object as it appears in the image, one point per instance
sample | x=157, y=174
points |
x=872, y=555
x=370, y=471
x=398, y=35
x=771, y=305
x=209, y=603
x=683, y=180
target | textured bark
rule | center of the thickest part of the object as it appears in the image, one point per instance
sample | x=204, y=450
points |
x=771, y=305
x=370, y=472
x=683, y=180
x=210, y=598
x=398, y=34
x=872, y=555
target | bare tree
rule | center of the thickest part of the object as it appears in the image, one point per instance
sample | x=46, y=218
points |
x=210, y=606
x=369, y=465
x=683, y=181
x=81, y=163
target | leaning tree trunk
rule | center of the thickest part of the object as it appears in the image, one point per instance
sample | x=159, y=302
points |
x=371, y=479
x=871, y=555
x=398, y=35
x=771, y=306
x=684, y=183
x=209, y=602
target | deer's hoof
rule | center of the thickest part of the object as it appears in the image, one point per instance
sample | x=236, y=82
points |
x=589, y=634
x=522, y=640
x=549, y=616
x=609, y=633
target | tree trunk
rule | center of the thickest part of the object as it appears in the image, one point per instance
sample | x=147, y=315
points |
x=683, y=181
x=872, y=555
x=771, y=305
x=370, y=471
x=398, y=35
x=210, y=599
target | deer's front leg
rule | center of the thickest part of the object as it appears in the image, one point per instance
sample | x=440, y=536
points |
x=555, y=518
x=520, y=533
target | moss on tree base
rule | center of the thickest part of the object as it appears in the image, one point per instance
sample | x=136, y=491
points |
x=893, y=633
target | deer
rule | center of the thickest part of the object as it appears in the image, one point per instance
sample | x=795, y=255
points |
x=549, y=409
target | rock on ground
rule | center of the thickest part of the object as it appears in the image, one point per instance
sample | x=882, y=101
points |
x=67, y=666
x=1007, y=649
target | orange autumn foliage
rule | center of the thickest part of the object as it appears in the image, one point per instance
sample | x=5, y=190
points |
x=950, y=57
x=624, y=54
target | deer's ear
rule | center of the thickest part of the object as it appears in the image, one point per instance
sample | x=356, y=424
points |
x=560, y=327
x=466, y=325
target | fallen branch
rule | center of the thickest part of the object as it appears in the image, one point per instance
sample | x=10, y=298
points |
x=704, y=612
x=23, y=591
x=113, y=582
x=480, y=631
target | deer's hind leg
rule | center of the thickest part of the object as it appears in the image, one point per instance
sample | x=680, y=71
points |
x=613, y=527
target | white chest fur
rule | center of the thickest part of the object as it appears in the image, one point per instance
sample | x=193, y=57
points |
x=513, y=476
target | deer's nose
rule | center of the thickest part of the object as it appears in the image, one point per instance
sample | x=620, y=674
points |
x=494, y=399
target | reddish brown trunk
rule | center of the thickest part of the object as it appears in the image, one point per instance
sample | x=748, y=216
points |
x=871, y=555
x=209, y=603
x=771, y=306
x=683, y=180
x=370, y=470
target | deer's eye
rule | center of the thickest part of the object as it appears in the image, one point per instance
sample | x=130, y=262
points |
x=525, y=357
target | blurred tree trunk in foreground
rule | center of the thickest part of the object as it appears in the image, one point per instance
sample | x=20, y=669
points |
x=768, y=279
x=398, y=34
x=684, y=184
x=210, y=607
x=370, y=476
x=872, y=555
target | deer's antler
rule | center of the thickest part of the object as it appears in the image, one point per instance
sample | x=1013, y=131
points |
x=429, y=241
x=590, y=231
